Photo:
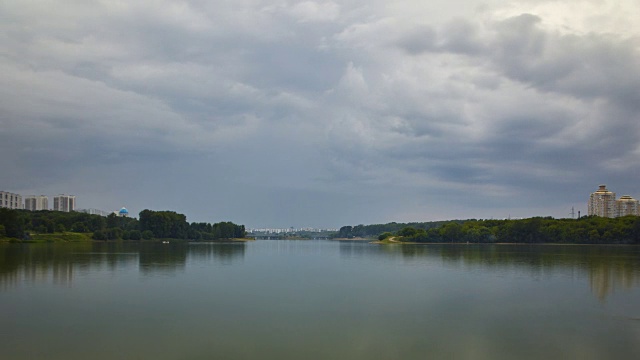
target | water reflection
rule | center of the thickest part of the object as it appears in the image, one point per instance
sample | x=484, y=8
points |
x=224, y=253
x=162, y=258
x=57, y=264
x=607, y=267
x=60, y=263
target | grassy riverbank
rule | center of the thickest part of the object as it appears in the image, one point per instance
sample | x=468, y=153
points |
x=68, y=236
x=55, y=237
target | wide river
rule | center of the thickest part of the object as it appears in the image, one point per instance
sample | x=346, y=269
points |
x=318, y=300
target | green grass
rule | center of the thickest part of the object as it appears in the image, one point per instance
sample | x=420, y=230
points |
x=60, y=237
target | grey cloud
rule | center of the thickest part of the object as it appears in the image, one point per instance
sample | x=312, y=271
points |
x=461, y=36
x=258, y=110
x=419, y=40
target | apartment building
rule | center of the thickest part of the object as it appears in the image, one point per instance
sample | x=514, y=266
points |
x=603, y=203
x=35, y=203
x=626, y=205
x=64, y=203
x=10, y=200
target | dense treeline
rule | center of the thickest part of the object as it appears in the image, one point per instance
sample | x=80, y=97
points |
x=169, y=224
x=374, y=230
x=586, y=230
x=21, y=224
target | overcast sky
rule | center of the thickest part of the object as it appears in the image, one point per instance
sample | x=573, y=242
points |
x=301, y=113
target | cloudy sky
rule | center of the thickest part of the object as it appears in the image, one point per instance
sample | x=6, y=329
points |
x=321, y=113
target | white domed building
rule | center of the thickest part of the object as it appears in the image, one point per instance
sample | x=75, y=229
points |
x=123, y=212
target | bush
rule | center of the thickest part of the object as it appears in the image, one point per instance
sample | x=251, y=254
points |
x=147, y=235
x=79, y=227
x=60, y=228
x=135, y=235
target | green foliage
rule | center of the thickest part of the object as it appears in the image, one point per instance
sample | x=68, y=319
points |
x=135, y=235
x=60, y=237
x=79, y=227
x=587, y=230
x=3, y=232
x=13, y=223
x=164, y=224
x=365, y=231
x=153, y=224
x=384, y=235
x=99, y=235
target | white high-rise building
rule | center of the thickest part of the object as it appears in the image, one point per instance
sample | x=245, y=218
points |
x=626, y=205
x=35, y=203
x=10, y=200
x=64, y=203
x=602, y=203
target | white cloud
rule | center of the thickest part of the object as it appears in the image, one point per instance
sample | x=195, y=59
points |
x=580, y=17
x=311, y=11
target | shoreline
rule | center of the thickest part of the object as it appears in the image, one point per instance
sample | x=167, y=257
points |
x=395, y=242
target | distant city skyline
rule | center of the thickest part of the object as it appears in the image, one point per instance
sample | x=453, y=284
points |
x=322, y=113
x=601, y=203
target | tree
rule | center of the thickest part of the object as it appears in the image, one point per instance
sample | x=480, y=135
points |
x=79, y=227
x=135, y=235
x=345, y=232
x=113, y=221
x=13, y=223
x=99, y=235
x=164, y=224
x=451, y=232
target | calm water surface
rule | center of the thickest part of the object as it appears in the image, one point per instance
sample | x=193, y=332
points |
x=318, y=300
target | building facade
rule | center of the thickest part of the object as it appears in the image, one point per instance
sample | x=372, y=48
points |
x=94, y=212
x=10, y=200
x=626, y=205
x=602, y=203
x=64, y=203
x=35, y=203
